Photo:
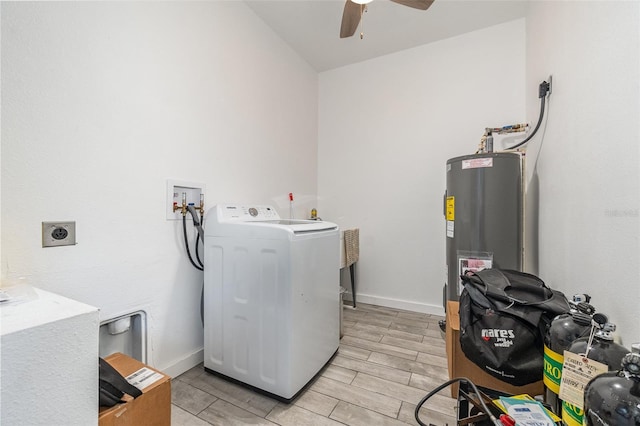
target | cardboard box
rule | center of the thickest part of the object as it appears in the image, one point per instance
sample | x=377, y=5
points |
x=461, y=366
x=152, y=408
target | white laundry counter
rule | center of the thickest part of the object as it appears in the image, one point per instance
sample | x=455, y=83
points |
x=48, y=361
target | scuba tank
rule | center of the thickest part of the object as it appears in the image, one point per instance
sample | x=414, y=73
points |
x=560, y=334
x=614, y=398
x=602, y=349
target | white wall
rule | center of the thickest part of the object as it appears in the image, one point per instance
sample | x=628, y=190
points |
x=588, y=167
x=387, y=128
x=101, y=103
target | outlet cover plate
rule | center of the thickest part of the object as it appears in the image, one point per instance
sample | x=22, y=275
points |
x=55, y=234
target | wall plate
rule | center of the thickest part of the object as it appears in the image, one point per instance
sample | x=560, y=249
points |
x=55, y=234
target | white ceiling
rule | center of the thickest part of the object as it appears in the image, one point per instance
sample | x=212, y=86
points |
x=311, y=27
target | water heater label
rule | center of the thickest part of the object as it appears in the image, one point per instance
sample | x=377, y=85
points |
x=470, y=262
x=450, y=228
x=451, y=209
x=477, y=163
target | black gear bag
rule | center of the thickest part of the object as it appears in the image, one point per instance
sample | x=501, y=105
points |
x=503, y=317
x=113, y=386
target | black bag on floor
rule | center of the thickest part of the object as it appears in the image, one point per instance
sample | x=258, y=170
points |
x=503, y=317
x=113, y=385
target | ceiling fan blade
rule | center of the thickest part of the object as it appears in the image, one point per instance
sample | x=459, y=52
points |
x=350, y=19
x=416, y=4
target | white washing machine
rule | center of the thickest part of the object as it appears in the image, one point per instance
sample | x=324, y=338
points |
x=271, y=297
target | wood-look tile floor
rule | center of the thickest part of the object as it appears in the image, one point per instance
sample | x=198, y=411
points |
x=387, y=362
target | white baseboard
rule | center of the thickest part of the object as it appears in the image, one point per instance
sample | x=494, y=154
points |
x=185, y=364
x=388, y=302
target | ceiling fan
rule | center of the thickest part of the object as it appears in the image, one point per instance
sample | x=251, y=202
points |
x=353, y=10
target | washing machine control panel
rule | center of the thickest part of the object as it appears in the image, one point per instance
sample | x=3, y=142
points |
x=248, y=213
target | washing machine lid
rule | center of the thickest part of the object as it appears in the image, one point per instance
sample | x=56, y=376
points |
x=296, y=226
x=233, y=219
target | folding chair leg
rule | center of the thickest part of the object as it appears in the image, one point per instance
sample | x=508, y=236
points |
x=352, y=272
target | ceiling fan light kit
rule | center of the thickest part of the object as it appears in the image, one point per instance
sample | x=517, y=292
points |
x=353, y=10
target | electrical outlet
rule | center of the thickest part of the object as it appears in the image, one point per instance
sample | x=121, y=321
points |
x=56, y=234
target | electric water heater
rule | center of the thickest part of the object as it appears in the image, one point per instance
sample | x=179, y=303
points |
x=484, y=212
